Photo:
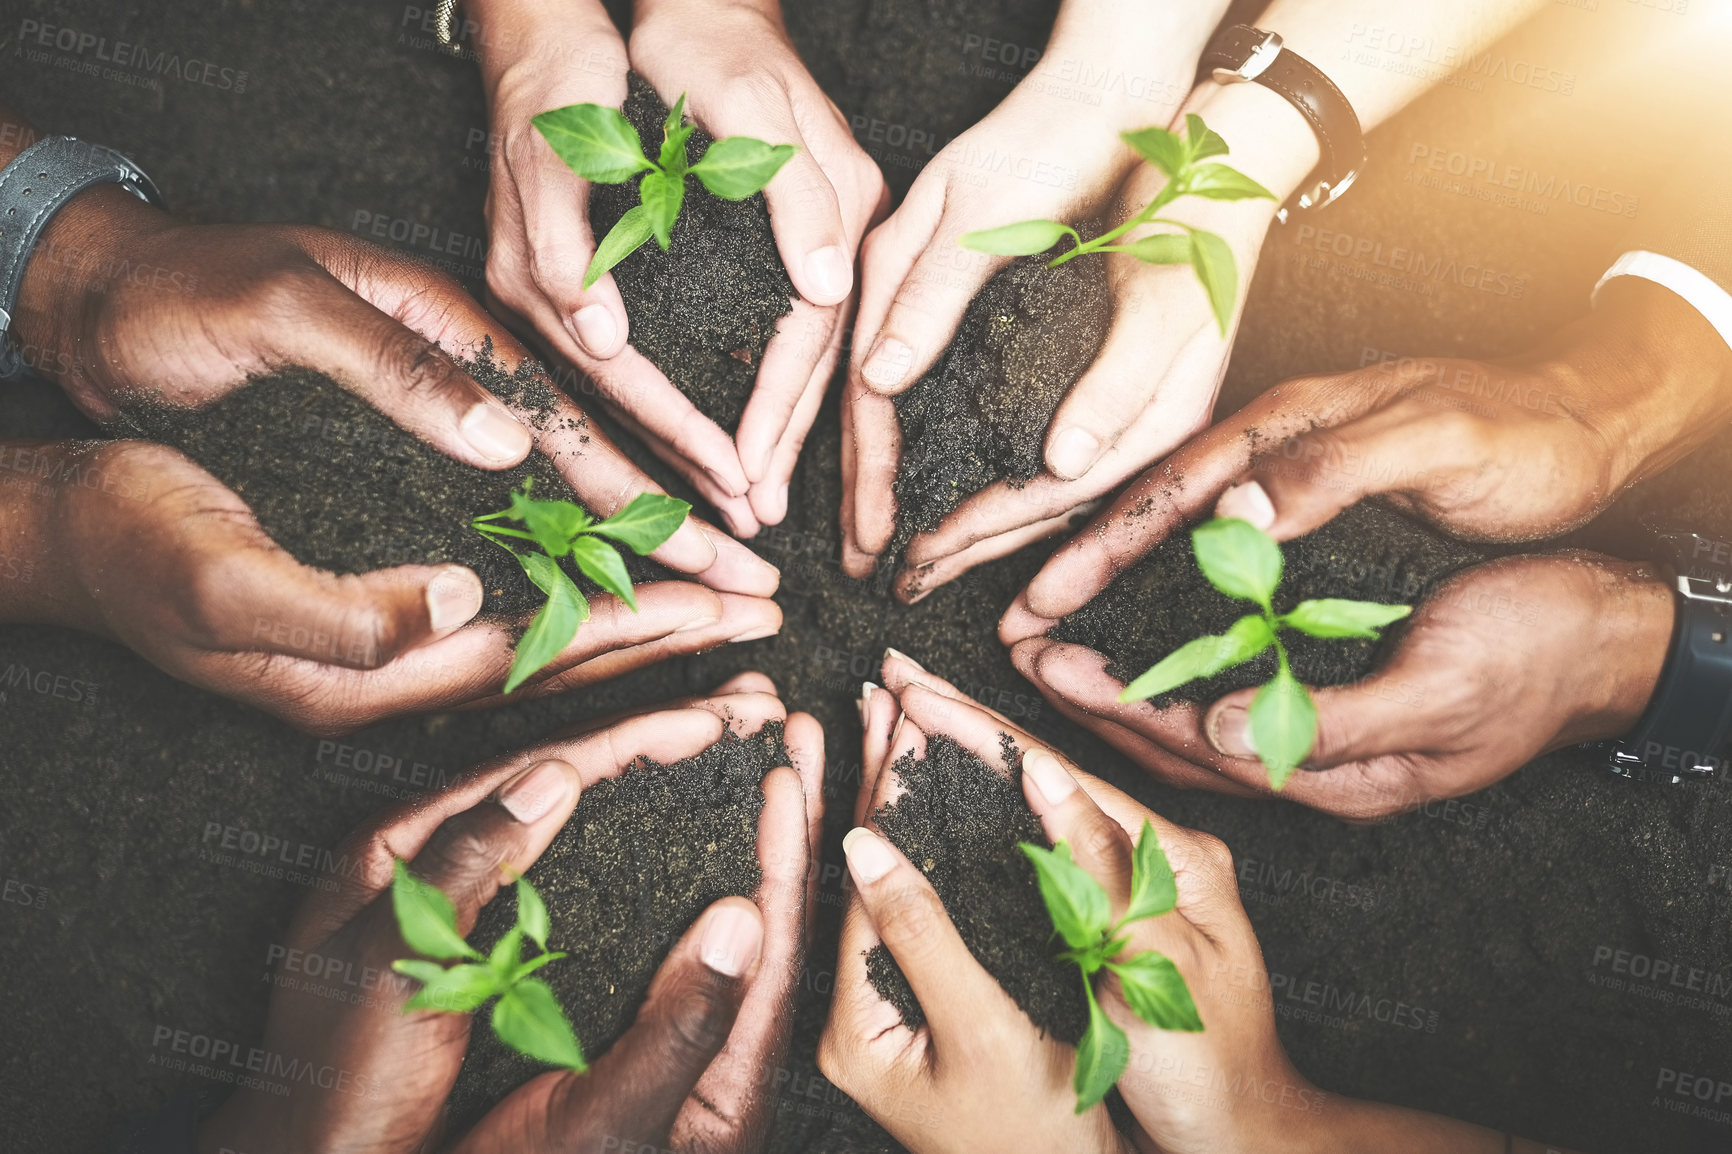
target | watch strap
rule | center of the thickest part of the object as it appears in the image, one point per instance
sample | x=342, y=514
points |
x=1683, y=732
x=1241, y=53
x=37, y=184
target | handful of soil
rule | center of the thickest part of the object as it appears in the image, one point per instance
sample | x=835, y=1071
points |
x=344, y=488
x=704, y=311
x=1366, y=554
x=959, y=823
x=980, y=415
x=641, y=857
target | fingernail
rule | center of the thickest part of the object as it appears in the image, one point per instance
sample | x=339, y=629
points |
x=865, y=702
x=868, y=857
x=722, y=482
x=901, y=656
x=1050, y=776
x=888, y=364
x=453, y=597
x=495, y=434
x=1073, y=452
x=1248, y=502
x=596, y=329
x=732, y=938
x=534, y=792
x=1231, y=733
x=827, y=269
x=757, y=633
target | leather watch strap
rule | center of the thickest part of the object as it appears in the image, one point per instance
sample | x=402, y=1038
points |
x=1242, y=53
x=36, y=185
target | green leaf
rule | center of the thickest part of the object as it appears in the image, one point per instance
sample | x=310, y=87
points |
x=528, y=1019
x=595, y=141
x=1161, y=148
x=552, y=523
x=1156, y=992
x=1201, y=141
x=1153, y=890
x=624, y=238
x=1218, y=182
x=674, y=136
x=1162, y=248
x=1238, y=558
x=1213, y=262
x=1024, y=238
x=456, y=990
x=556, y=623
x=646, y=523
x=662, y=194
x=1204, y=657
x=1075, y=901
x=532, y=913
x=1283, y=726
x=1335, y=617
x=1101, y=1057
x=535, y=963
x=507, y=953
x=425, y=916
x=735, y=167
x=602, y=564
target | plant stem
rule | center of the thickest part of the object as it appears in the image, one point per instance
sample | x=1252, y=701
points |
x=1166, y=196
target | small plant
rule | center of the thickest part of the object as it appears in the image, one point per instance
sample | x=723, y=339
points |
x=527, y=1016
x=1180, y=158
x=563, y=529
x=600, y=145
x=1152, y=984
x=1242, y=561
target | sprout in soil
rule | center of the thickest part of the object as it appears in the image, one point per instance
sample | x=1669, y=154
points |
x=527, y=1016
x=1242, y=561
x=600, y=145
x=1180, y=158
x=562, y=529
x=1152, y=985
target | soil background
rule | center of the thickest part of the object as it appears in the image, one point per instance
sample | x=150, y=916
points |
x=1489, y=940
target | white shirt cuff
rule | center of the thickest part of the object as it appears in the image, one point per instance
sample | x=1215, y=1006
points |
x=1701, y=293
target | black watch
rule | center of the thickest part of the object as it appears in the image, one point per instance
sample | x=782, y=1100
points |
x=1241, y=53
x=1682, y=734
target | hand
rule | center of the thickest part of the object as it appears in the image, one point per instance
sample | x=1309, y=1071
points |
x=1505, y=662
x=132, y=540
x=684, y=1077
x=1511, y=451
x=977, y=1075
x=1230, y=1089
x=742, y=77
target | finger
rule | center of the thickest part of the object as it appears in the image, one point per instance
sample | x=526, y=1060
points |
x=963, y=1003
x=871, y=448
x=472, y=854
x=637, y=1088
x=886, y=787
x=1020, y=623
x=402, y=373
x=804, y=737
x=1096, y=841
x=917, y=580
x=730, y=1107
x=774, y=459
x=881, y=718
x=751, y=681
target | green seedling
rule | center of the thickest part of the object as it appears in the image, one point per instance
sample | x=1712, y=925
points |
x=1244, y=562
x=1152, y=985
x=562, y=529
x=527, y=1016
x=1181, y=158
x=600, y=145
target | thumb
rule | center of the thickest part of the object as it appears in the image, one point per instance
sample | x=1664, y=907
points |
x=636, y=1089
x=1379, y=716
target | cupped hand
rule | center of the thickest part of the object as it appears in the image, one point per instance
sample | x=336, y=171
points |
x=1505, y=662
x=136, y=542
x=684, y=1077
x=741, y=77
x=978, y=1074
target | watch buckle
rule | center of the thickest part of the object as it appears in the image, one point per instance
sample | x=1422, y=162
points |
x=1714, y=590
x=1257, y=61
x=1633, y=766
x=1320, y=195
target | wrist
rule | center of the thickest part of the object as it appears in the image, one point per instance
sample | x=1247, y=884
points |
x=578, y=36
x=1635, y=615
x=1267, y=138
x=37, y=581
x=1128, y=73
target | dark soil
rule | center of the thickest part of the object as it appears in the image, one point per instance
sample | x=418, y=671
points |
x=1366, y=554
x=704, y=311
x=642, y=856
x=343, y=488
x=980, y=414
x=959, y=822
